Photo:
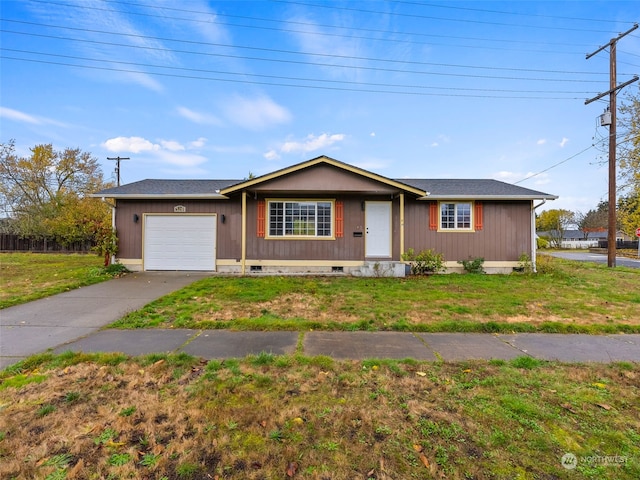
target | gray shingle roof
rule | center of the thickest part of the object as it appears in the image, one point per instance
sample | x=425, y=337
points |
x=169, y=188
x=437, y=189
x=473, y=188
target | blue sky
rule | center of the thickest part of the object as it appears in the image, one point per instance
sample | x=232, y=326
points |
x=406, y=89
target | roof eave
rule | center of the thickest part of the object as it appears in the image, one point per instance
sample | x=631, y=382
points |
x=435, y=196
x=161, y=196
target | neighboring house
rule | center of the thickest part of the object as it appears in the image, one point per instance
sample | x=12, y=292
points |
x=575, y=238
x=320, y=216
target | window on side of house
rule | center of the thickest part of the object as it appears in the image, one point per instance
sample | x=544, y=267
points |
x=307, y=219
x=455, y=216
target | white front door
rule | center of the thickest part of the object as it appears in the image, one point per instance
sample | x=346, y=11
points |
x=377, y=219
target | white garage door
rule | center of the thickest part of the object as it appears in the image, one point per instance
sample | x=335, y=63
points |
x=180, y=242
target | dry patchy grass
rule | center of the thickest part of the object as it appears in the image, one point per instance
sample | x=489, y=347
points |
x=567, y=297
x=270, y=417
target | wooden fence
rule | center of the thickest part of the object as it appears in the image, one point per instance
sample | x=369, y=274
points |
x=15, y=243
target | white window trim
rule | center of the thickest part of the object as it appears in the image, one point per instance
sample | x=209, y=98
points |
x=268, y=235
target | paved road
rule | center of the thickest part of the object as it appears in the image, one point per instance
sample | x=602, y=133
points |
x=595, y=257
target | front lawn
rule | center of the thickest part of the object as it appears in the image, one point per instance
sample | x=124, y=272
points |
x=177, y=417
x=567, y=297
x=29, y=276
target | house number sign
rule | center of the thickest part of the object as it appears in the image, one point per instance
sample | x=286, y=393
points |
x=179, y=209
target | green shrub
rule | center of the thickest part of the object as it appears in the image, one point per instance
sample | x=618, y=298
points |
x=473, y=266
x=427, y=261
x=542, y=242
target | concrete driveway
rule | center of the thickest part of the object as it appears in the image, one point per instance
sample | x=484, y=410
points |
x=37, y=326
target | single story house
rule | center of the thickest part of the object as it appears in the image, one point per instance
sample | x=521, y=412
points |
x=575, y=238
x=320, y=216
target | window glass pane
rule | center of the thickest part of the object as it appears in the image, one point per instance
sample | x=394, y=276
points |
x=324, y=219
x=448, y=215
x=276, y=218
x=463, y=215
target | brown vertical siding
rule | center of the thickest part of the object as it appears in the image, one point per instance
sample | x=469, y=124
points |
x=505, y=235
x=346, y=248
x=506, y=232
x=130, y=233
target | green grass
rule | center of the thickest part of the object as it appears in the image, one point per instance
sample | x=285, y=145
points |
x=370, y=419
x=572, y=297
x=29, y=276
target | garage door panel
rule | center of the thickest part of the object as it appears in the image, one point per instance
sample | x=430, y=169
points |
x=180, y=242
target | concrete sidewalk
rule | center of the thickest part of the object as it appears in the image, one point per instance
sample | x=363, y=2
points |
x=73, y=321
x=219, y=344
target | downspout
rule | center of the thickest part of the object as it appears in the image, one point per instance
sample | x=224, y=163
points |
x=401, y=225
x=534, y=244
x=243, y=259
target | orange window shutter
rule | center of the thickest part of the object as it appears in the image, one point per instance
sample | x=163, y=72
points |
x=478, y=216
x=433, y=216
x=261, y=218
x=339, y=219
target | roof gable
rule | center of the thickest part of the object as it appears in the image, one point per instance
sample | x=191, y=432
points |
x=271, y=180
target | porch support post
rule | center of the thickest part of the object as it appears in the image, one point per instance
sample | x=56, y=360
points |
x=243, y=259
x=401, y=225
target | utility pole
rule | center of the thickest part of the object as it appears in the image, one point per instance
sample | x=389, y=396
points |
x=117, y=159
x=612, y=92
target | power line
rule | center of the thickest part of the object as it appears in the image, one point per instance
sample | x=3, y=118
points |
x=300, y=62
x=430, y=17
x=554, y=165
x=278, y=77
x=318, y=87
x=350, y=34
x=271, y=50
x=502, y=12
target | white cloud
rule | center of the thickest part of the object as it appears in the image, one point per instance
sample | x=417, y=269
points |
x=199, y=143
x=372, y=134
x=441, y=138
x=163, y=152
x=171, y=145
x=198, y=117
x=346, y=51
x=181, y=159
x=542, y=141
x=272, y=155
x=312, y=143
x=256, y=113
x=18, y=116
x=130, y=144
x=564, y=141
